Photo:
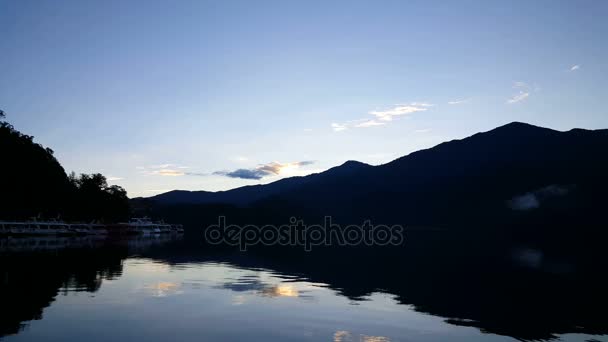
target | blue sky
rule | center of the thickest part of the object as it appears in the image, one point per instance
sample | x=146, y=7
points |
x=211, y=95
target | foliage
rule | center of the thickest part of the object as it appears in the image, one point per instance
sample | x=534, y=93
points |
x=33, y=183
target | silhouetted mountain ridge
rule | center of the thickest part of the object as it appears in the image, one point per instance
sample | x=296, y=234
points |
x=470, y=178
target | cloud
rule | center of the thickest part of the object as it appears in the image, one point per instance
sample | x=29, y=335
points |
x=240, y=159
x=519, y=84
x=519, y=97
x=242, y=173
x=457, y=102
x=113, y=179
x=389, y=114
x=168, y=170
x=263, y=170
x=524, y=92
x=381, y=117
x=369, y=123
x=575, y=67
x=422, y=104
x=338, y=127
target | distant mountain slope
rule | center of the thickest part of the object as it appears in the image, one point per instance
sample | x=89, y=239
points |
x=247, y=195
x=473, y=178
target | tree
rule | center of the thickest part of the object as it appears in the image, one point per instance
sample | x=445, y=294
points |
x=96, y=200
x=33, y=183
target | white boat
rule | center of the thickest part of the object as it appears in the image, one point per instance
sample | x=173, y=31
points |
x=97, y=229
x=51, y=227
x=34, y=228
x=80, y=228
x=143, y=225
x=164, y=227
x=177, y=228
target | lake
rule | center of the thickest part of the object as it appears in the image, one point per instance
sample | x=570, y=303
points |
x=163, y=288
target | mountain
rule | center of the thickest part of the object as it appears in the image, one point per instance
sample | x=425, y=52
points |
x=512, y=170
x=247, y=195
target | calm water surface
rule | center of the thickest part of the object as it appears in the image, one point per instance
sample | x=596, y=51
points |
x=152, y=290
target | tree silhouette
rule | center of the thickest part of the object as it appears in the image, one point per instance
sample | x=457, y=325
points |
x=95, y=199
x=33, y=183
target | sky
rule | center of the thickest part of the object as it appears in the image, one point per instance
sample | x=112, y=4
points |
x=213, y=95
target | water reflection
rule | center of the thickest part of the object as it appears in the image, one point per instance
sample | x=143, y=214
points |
x=157, y=289
x=345, y=336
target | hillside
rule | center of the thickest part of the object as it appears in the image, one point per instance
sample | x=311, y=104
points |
x=513, y=171
x=34, y=184
x=32, y=180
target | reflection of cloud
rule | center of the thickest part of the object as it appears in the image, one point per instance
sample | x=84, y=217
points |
x=366, y=338
x=263, y=170
x=342, y=336
x=163, y=289
x=532, y=200
x=280, y=291
x=239, y=300
x=254, y=284
x=345, y=336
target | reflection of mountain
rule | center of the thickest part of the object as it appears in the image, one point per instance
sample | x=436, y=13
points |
x=34, y=270
x=527, y=292
x=445, y=276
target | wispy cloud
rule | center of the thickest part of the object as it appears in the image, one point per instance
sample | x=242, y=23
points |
x=457, y=102
x=263, y=170
x=338, y=127
x=389, y=114
x=575, y=67
x=519, y=97
x=383, y=116
x=113, y=179
x=524, y=92
x=369, y=123
x=519, y=84
x=168, y=170
x=240, y=159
